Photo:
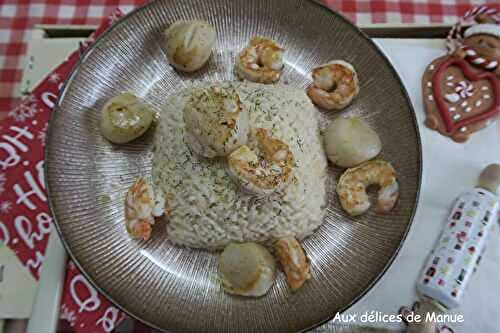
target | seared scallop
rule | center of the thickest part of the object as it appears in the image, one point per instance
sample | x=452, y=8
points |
x=189, y=44
x=246, y=269
x=216, y=121
x=350, y=142
x=125, y=118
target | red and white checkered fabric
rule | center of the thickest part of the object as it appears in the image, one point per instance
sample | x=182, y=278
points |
x=406, y=11
x=17, y=17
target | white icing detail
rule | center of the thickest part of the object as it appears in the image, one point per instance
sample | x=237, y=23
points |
x=485, y=28
x=464, y=104
x=429, y=84
x=470, y=52
x=449, y=78
x=449, y=84
x=431, y=67
x=492, y=64
x=452, y=98
x=452, y=109
x=468, y=109
x=478, y=104
x=463, y=129
x=484, y=88
x=466, y=93
x=478, y=61
x=486, y=96
x=456, y=117
x=464, y=89
x=430, y=97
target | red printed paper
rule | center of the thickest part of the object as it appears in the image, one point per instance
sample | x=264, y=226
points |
x=25, y=220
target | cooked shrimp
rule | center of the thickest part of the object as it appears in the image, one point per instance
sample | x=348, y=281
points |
x=261, y=61
x=334, y=86
x=216, y=121
x=293, y=261
x=141, y=208
x=352, y=185
x=263, y=167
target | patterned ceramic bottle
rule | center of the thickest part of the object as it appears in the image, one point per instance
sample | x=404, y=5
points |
x=462, y=242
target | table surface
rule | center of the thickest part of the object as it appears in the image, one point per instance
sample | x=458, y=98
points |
x=449, y=168
x=444, y=163
x=17, y=18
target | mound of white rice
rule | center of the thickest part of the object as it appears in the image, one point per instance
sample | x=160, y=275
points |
x=207, y=209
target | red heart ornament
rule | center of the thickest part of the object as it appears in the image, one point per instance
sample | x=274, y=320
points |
x=451, y=126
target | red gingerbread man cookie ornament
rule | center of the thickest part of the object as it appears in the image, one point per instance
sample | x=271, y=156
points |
x=461, y=90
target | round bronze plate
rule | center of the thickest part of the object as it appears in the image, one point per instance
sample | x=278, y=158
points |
x=176, y=289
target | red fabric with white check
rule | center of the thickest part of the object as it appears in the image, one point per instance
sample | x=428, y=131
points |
x=17, y=17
